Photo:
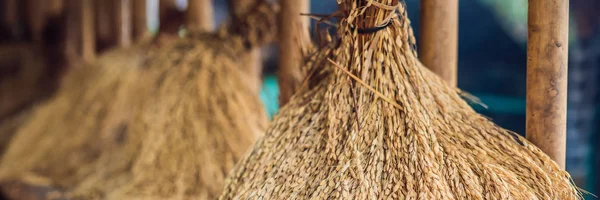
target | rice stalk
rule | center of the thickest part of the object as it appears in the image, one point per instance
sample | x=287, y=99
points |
x=374, y=123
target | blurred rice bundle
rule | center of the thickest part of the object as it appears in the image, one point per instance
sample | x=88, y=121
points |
x=200, y=119
x=71, y=129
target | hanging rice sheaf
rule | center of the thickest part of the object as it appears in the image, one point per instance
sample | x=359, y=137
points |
x=70, y=130
x=201, y=119
x=374, y=123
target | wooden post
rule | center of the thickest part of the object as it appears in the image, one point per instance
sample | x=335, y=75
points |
x=37, y=19
x=123, y=21
x=106, y=32
x=11, y=16
x=170, y=19
x=166, y=6
x=438, y=47
x=140, y=22
x=88, y=32
x=199, y=15
x=73, y=38
x=293, y=29
x=547, y=66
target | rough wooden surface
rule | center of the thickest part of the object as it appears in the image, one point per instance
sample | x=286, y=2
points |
x=547, y=66
x=199, y=16
x=293, y=29
x=438, y=47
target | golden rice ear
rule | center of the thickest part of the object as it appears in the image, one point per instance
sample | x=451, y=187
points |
x=376, y=124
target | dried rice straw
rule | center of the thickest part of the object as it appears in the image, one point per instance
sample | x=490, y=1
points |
x=68, y=133
x=70, y=130
x=202, y=117
x=374, y=123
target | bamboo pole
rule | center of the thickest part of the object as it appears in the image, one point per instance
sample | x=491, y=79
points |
x=199, y=16
x=123, y=22
x=88, y=33
x=293, y=29
x=547, y=66
x=439, y=38
x=140, y=22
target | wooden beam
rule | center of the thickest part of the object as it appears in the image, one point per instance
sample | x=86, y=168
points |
x=438, y=47
x=547, y=66
x=199, y=16
x=293, y=29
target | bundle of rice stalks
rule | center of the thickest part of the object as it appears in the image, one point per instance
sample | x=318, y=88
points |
x=24, y=80
x=374, y=123
x=71, y=129
x=201, y=119
x=88, y=114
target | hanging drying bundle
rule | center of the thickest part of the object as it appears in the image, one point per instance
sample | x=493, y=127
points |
x=373, y=123
x=202, y=117
x=71, y=129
